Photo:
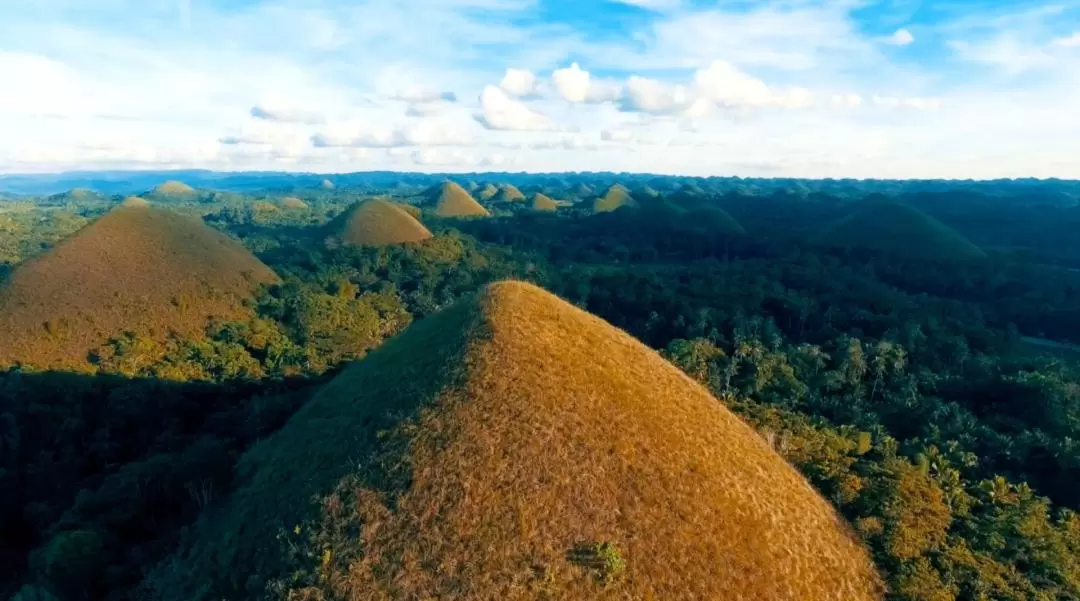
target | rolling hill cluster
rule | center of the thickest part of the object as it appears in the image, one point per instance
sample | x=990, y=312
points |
x=471, y=390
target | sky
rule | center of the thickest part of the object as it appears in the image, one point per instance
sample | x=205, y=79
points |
x=794, y=88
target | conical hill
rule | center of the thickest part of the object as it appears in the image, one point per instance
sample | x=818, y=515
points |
x=141, y=269
x=712, y=220
x=293, y=203
x=543, y=203
x=377, y=222
x=173, y=188
x=615, y=197
x=487, y=192
x=453, y=201
x=509, y=193
x=515, y=447
x=901, y=229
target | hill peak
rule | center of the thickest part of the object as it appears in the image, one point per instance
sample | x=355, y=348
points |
x=543, y=202
x=511, y=438
x=138, y=268
x=378, y=222
x=173, y=187
x=892, y=226
x=454, y=201
x=616, y=196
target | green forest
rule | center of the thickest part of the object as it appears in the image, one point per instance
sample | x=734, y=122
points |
x=912, y=348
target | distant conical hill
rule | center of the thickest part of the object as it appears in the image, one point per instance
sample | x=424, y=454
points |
x=140, y=269
x=377, y=222
x=135, y=201
x=899, y=228
x=78, y=195
x=293, y=203
x=581, y=190
x=509, y=193
x=712, y=220
x=543, y=203
x=452, y=200
x=515, y=447
x=487, y=193
x=617, y=196
x=173, y=188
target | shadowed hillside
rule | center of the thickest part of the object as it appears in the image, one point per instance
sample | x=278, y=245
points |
x=377, y=222
x=139, y=269
x=453, y=201
x=899, y=228
x=516, y=447
x=509, y=193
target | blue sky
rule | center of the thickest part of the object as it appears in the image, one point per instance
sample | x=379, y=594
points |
x=847, y=88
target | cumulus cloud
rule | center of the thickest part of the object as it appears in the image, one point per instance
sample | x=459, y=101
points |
x=520, y=82
x=565, y=143
x=242, y=139
x=422, y=94
x=900, y=37
x=286, y=115
x=641, y=94
x=572, y=83
x=442, y=158
x=423, y=133
x=723, y=83
x=617, y=135
x=501, y=112
x=424, y=110
x=846, y=100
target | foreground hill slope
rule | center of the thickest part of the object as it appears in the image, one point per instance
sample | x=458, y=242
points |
x=377, y=222
x=516, y=447
x=138, y=268
x=899, y=228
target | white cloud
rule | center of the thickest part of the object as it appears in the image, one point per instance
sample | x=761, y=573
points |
x=286, y=115
x=572, y=83
x=418, y=94
x=900, y=37
x=1070, y=41
x=432, y=157
x=917, y=103
x=519, y=82
x=617, y=135
x=429, y=109
x=501, y=112
x=428, y=132
x=641, y=94
x=565, y=143
x=847, y=100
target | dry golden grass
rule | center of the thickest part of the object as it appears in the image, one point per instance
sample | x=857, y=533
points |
x=509, y=193
x=472, y=457
x=543, y=202
x=140, y=269
x=616, y=196
x=377, y=222
x=173, y=188
x=293, y=203
x=454, y=201
x=410, y=209
x=135, y=201
x=488, y=193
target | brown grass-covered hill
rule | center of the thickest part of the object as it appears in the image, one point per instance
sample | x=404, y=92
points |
x=509, y=193
x=293, y=203
x=544, y=203
x=141, y=269
x=515, y=447
x=452, y=200
x=377, y=222
x=615, y=197
x=895, y=227
x=487, y=193
x=135, y=201
x=78, y=195
x=173, y=188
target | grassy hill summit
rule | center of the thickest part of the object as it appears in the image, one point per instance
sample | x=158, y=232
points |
x=173, y=188
x=581, y=190
x=509, y=193
x=516, y=447
x=293, y=203
x=451, y=200
x=544, y=203
x=487, y=193
x=377, y=222
x=135, y=201
x=78, y=195
x=141, y=269
x=887, y=225
x=713, y=220
x=616, y=196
